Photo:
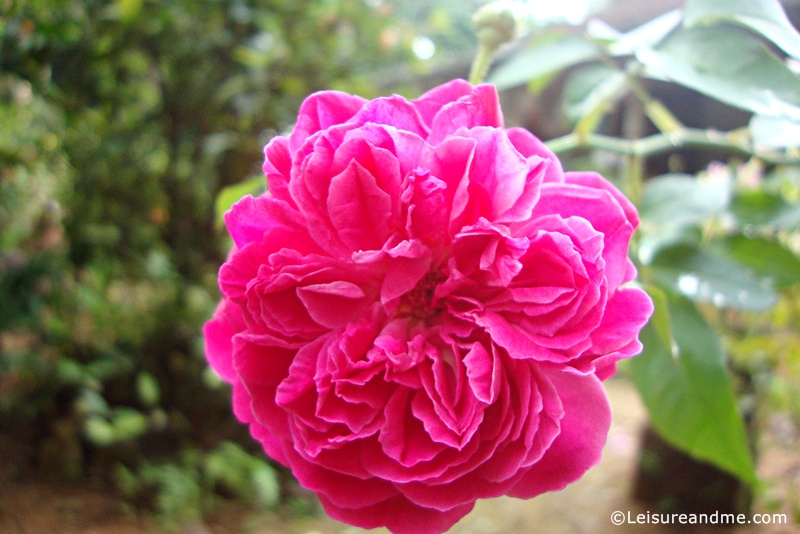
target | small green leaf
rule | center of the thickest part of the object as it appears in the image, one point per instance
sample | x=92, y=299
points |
x=682, y=199
x=728, y=64
x=705, y=277
x=687, y=391
x=99, y=431
x=542, y=58
x=228, y=196
x=266, y=486
x=128, y=423
x=243, y=474
x=129, y=9
x=765, y=17
x=768, y=258
x=91, y=403
x=71, y=372
x=148, y=390
x=763, y=208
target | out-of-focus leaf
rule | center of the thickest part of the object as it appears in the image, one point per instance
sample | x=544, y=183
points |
x=705, y=277
x=762, y=208
x=647, y=35
x=99, y=431
x=688, y=393
x=730, y=65
x=590, y=93
x=660, y=320
x=771, y=132
x=542, y=59
x=664, y=236
x=129, y=9
x=128, y=423
x=266, y=485
x=765, y=17
x=682, y=199
x=148, y=389
x=245, y=475
x=768, y=258
x=228, y=196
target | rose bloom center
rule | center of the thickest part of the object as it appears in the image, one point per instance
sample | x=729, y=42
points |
x=421, y=302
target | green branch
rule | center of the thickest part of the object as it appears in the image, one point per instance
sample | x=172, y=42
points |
x=665, y=142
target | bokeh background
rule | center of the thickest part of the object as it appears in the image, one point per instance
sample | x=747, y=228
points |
x=125, y=126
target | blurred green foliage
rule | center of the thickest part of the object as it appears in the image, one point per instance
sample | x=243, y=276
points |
x=179, y=489
x=718, y=250
x=120, y=122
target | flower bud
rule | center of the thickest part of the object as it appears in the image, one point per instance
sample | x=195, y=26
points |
x=494, y=24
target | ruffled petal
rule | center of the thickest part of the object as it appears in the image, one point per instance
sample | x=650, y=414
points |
x=580, y=442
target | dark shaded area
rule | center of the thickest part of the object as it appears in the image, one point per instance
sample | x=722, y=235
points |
x=669, y=481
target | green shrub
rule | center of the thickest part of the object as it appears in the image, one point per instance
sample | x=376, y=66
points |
x=120, y=122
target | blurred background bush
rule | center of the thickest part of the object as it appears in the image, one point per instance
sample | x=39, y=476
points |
x=120, y=123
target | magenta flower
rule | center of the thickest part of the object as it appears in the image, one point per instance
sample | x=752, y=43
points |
x=421, y=310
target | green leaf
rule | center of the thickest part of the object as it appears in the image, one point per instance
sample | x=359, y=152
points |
x=765, y=17
x=682, y=199
x=647, y=35
x=687, y=391
x=660, y=320
x=664, y=236
x=590, y=93
x=90, y=403
x=243, y=474
x=266, y=486
x=228, y=196
x=128, y=423
x=768, y=258
x=705, y=277
x=99, y=431
x=542, y=59
x=730, y=65
x=148, y=389
x=771, y=132
x=129, y=9
x=763, y=208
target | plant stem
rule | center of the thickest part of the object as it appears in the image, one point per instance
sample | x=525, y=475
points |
x=663, y=142
x=480, y=65
x=494, y=25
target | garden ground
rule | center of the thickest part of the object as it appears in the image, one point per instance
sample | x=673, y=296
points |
x=586, y=506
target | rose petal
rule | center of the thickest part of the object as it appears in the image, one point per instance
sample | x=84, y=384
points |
x=480, y=107
x=277, y=168
x=321, y=111
x=398, y=515
x=218, y=336
x=579, y=445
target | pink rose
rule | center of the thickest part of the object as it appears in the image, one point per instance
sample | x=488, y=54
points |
x=420, y=312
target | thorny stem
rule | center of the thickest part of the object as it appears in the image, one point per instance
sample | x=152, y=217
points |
x=480, y=65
